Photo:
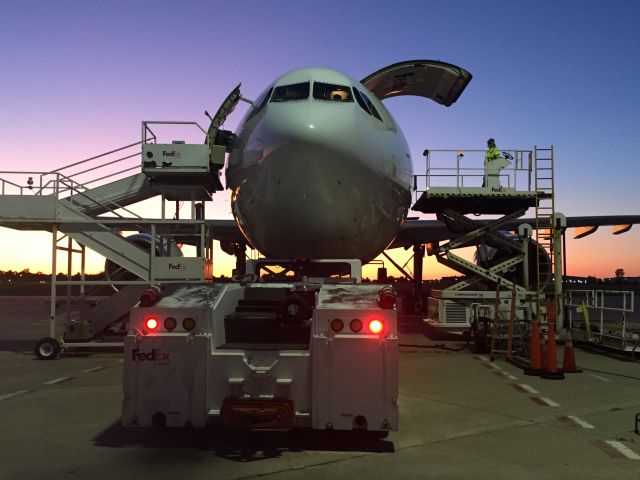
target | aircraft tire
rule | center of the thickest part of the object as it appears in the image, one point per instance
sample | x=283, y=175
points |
x=47, y=349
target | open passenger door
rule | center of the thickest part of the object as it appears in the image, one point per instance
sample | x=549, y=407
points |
x=441, y=82
x=228, y=106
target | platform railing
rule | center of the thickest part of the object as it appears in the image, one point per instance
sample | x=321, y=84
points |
x=465, y=168
x=64, y=182
x=148, y=136
x=76, y=176
x=603, y=315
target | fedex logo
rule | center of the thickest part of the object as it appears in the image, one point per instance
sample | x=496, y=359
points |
x=177, y=266
x=155, y=355
x=172, y=153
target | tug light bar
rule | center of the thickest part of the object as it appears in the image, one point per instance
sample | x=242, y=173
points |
x=356, y=325
x=337, y=325
x=151, y=323
x=170, y=323
x=188, y=324
x=375, y=326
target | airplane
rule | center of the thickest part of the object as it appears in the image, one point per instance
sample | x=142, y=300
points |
x=318, y=167
x=323, y=160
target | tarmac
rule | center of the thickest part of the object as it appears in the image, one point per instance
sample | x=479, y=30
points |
x=461, y=416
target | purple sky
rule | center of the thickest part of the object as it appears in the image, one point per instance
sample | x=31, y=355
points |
x=78, y=77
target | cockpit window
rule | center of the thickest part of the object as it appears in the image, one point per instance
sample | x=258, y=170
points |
x=331, y=93
x=287, y=93
x=366, y=104
x=361, y=101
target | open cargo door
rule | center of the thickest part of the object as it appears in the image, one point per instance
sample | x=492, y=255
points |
x=441, y=82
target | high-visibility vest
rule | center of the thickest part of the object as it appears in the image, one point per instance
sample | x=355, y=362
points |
x=492, y=154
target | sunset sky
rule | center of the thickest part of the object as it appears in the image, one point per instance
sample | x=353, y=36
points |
x=78, y=77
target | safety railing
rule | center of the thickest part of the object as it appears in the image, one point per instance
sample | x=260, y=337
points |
x=148, y=136
x=75, y=177
x=602, y=315
x=465, y=168
x=187, y=243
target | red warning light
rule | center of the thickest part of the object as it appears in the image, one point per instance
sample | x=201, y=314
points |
x=151, y=323
x=375, y=326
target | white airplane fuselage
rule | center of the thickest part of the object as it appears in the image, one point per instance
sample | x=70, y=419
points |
x=321, y=176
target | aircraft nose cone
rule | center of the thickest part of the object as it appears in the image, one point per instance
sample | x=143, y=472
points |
x=312, y=123
x=306, y=185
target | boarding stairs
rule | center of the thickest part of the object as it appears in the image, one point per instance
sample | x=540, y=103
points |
x=57, y=201
x=103, y=240
x=87, y=202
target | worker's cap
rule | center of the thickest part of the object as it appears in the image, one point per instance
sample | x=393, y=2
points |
x=491, y=140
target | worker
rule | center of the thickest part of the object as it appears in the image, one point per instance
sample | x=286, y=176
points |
x=492, y=167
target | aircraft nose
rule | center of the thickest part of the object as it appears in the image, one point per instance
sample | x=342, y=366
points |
x=311, y=123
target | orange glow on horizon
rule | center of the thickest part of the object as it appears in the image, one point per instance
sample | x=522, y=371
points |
x=597, y=255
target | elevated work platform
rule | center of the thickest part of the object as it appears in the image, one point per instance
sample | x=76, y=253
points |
x=460, y=181
x=513, y=275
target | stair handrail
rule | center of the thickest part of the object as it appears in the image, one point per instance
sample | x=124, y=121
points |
x=9, y=182
x=43, y=186
x=84, y=194
x=105, y=165
x=96, y=157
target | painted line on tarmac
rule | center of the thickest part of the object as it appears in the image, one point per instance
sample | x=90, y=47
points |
x=602, y=379
x=616, y=449
x=608, y=449
x=523, y=387
x=14, y=394
x=575, y=421
x=506, y=375
x=484, y=358
x=57, y=380
x=94, y=369
x=491, y=366
x=623, y=449
x=120, y=360
x=544, y=401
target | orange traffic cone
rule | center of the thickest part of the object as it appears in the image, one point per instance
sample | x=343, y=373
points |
x=569, y=359
x=551, y=371
x=535, y=365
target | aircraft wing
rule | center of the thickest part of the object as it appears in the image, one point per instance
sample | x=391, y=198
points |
x=587, y=225
x=426, y=231
x=439, y=81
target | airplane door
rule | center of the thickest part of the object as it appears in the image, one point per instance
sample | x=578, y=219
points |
x=228, y=106
x=439, y=81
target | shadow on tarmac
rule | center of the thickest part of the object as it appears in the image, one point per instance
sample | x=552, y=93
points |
x=17, y=346
x=243, y=445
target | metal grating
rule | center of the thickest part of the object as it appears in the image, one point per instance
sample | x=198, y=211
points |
x=455, y=313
